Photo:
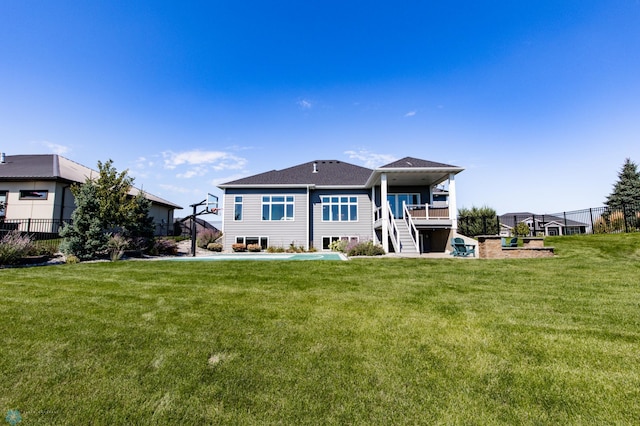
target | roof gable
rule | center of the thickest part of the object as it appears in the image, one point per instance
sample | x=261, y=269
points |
x=411, y=163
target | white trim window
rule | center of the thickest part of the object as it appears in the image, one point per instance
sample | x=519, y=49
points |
x=237, y=208
x=326, y=241
x=263, y=241
x=339, y=209
x=277, y=207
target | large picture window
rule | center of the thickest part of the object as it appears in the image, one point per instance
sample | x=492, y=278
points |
x=277, y=207
x=339, y=209
x=237, y=208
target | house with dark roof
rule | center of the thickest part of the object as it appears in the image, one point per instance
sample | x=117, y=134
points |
x=38, y=188
x=548, y=225
x=408, y=206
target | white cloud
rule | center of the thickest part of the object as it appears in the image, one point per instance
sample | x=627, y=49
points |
x=180, y=189
x=202, y=161
x=410, y=114
x=218, y=181
x=371, y=159
x=56, y=148
x=304, y=104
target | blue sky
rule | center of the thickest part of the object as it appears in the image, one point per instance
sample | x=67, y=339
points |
x=538, y=101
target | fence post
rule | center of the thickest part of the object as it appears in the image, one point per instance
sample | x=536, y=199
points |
x=484, y=225
x=29, y=225
x=624, y=217
x=498, y=224
x=593, y=231
x=533, y=231
x=564, y=231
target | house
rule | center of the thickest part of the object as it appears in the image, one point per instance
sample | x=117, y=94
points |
x=183, y=226
x=547, y=225
x=408, y=206
x=37, y=189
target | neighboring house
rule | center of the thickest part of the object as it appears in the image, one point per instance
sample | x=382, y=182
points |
x=38, y=188
x=403, y=205
x=182, y=226
x=548, y=225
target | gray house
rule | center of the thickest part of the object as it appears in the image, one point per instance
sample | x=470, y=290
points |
x=408, y=206
x=548, y=225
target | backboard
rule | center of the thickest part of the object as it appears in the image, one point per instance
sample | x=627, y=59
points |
x=211, y=204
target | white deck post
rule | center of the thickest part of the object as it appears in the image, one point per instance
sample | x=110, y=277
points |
x=453, y=207
x=385, y=212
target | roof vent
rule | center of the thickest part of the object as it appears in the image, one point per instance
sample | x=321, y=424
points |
x=315, y=167
x=3, y=158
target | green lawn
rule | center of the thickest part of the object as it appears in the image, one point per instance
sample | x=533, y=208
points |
x=369, y=341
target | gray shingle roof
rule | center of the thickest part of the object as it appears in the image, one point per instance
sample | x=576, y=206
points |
x=327, y=173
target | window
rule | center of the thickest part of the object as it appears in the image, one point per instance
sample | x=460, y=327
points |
x=326, y=241
x=339, y=209
x=397, y=201
x=237, y=208
x=263, y=241
x=277, y=207
x=33, y=195
x=3, y=203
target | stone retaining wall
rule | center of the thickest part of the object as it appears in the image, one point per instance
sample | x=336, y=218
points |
x=490, y=247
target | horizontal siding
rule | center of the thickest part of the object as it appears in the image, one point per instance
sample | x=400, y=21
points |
x=362, y=228
x=280, y=233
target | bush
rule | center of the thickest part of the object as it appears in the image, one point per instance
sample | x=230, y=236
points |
x=117, y=245
x=338, y=245
x=71, y=259
x=165, y=246
x=238, y=247
x=13, y=247
x=214, y=247
x=366, y=249
x=254, y=247
x=38, y=249
x=272, y=249
x=206, y=237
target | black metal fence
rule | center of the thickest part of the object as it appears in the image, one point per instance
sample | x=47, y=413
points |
x=597, y=220
x=47, y=231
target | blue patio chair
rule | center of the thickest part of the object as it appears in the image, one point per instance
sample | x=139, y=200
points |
x=513, y=242
x=460, y=249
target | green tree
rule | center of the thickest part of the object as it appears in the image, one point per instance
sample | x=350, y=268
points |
x=477, y=221
x=521, y=230
x=625, y=196
x=85, y=237
x=104, y=207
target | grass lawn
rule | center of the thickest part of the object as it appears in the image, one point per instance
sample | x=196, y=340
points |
x=369, y=341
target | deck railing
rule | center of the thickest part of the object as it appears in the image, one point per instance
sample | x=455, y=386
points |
x=412, y=227
x=428, y=212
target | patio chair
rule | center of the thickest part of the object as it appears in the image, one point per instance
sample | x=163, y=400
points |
x=513, y=242
x=460, y=249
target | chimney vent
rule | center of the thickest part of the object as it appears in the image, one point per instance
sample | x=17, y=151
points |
x=3, y=158
x=315, y=167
